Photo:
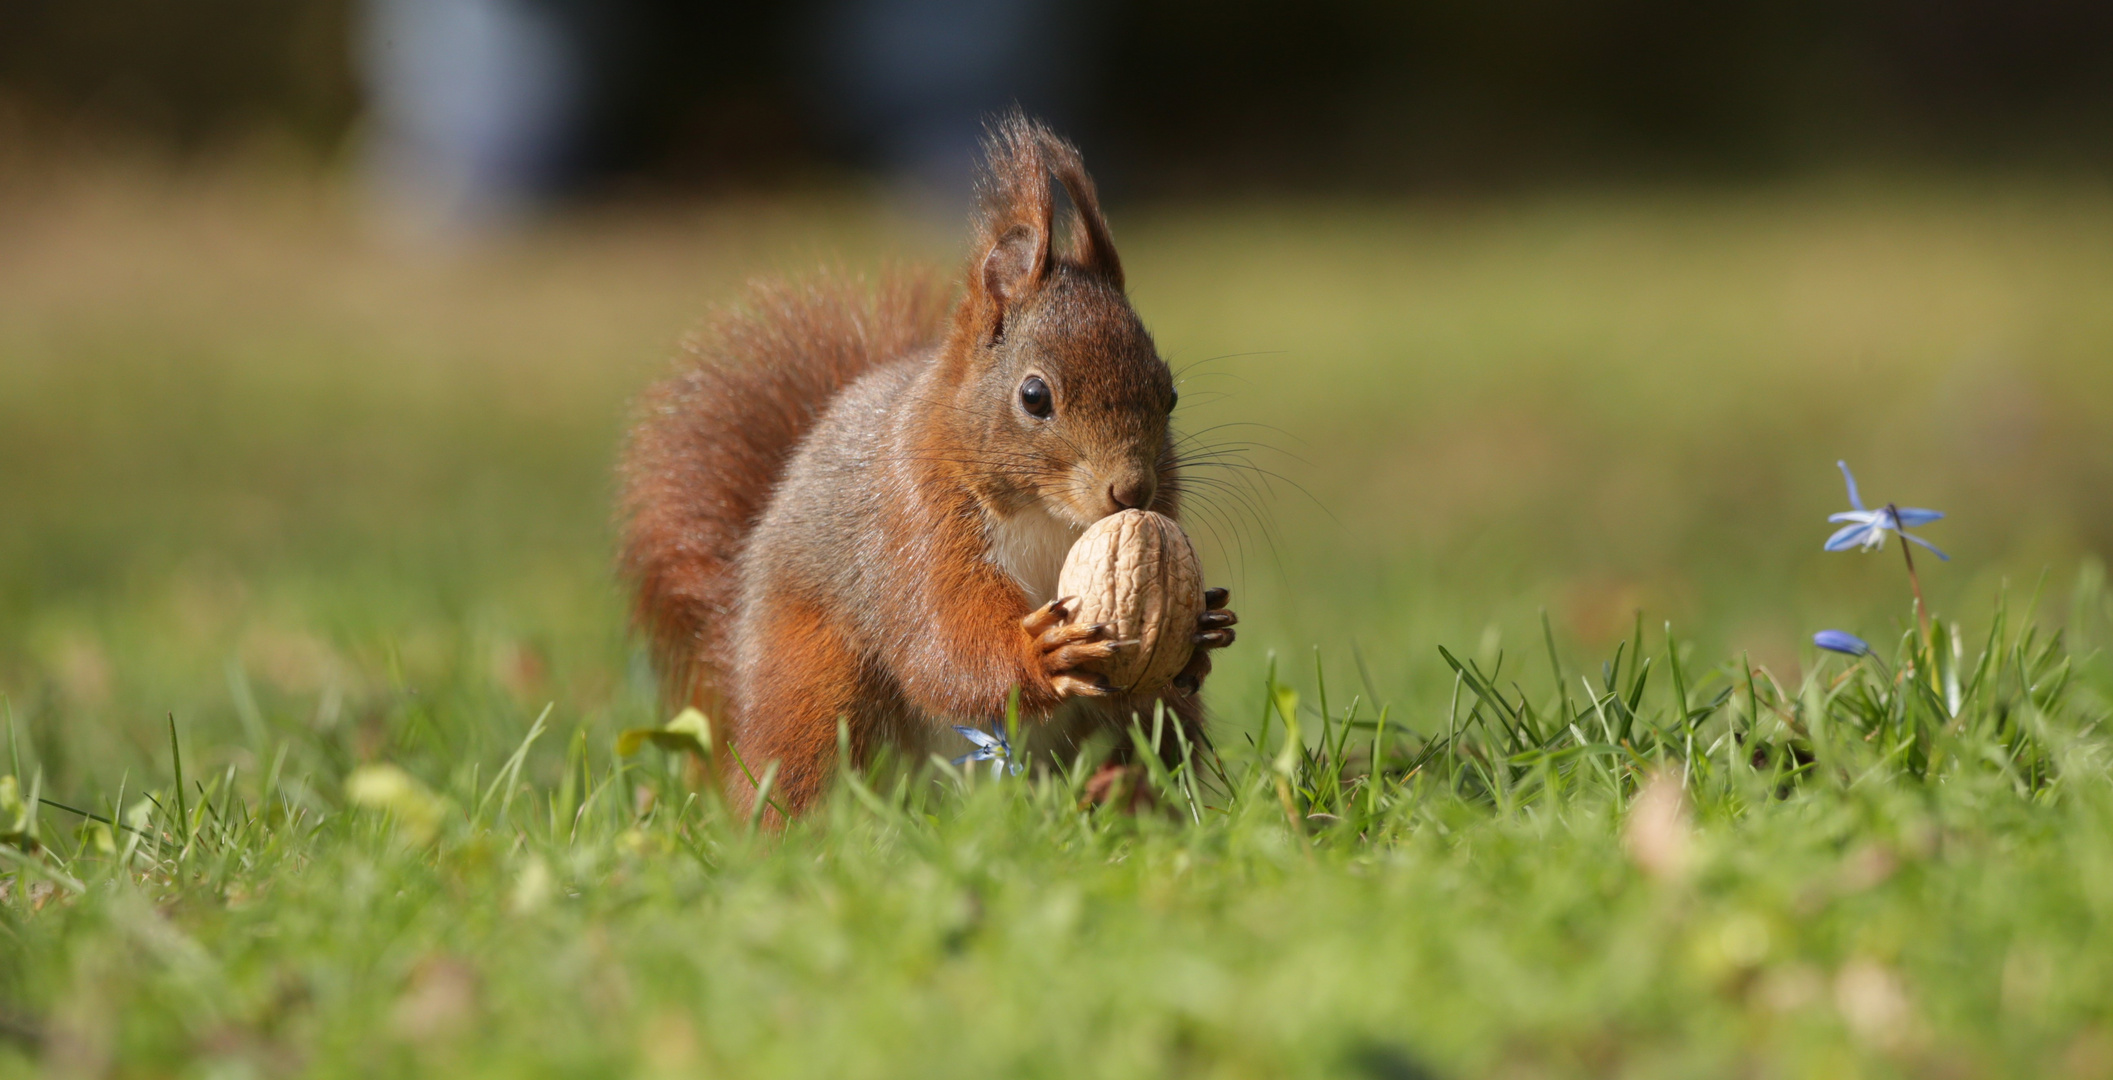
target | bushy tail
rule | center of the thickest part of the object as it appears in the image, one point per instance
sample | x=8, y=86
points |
x=710, y=443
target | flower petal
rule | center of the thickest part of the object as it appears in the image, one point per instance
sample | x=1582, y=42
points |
x=1848, y=536
x=1911, y=517
x=980, y=738
x=1933, y=548
x=1842, y=641
x=1864, y=516
x=1855, y=500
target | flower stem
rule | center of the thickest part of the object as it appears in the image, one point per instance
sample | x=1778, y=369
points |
x=1922, y=615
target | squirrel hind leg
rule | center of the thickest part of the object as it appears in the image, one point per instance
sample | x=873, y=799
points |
x=799, y=675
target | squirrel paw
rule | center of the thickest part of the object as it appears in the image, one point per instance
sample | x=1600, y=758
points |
x=1122, y=788
x=1065, y=651
x=1214, y=630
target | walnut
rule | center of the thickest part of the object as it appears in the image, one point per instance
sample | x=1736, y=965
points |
x=1137, y=572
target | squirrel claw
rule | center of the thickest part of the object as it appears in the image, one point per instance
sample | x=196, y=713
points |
x=1079, y=654
x=1213, y=627
x=1213, y=631
x=1049, y=616
x=1192, y=675
x=1066, y=652
x=1068, y=635
x=1078, y=686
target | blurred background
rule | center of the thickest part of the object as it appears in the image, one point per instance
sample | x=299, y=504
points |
x=1174, y=99
x=319, y=321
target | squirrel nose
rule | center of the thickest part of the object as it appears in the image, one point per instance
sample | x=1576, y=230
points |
x=1131, y=494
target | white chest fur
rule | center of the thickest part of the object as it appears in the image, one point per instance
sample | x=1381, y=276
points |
x=1031, y=546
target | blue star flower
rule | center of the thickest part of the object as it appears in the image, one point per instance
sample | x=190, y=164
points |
x=1867, y=528
x=990, y=746
x=1842, y=641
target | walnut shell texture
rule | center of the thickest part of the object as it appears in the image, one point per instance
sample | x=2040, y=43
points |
x=1137, y=572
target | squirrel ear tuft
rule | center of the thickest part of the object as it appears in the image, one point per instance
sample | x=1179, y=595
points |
x=1091, y=248
x=1014, y=227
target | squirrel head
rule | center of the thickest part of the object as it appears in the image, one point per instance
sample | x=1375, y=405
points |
x=1060, y=397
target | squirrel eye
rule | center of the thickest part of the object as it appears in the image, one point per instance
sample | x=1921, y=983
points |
x=1034, y=397
x=1173, y=400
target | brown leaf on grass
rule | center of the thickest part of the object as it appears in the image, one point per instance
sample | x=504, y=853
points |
x=1657, y=835
x=1874, y=1004
x=1867, y=868
x=438, y=1001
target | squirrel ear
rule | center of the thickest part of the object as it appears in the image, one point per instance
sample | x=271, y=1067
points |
x=1015, y=222
x=1015, y=264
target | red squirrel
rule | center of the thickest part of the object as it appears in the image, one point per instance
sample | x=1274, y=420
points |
x=853, y=502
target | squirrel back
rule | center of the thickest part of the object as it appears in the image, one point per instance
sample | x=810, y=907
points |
x=710, y=444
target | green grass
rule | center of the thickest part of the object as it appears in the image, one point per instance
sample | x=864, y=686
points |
x=337, y=506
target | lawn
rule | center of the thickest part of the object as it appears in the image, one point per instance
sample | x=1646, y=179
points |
x=319, y=516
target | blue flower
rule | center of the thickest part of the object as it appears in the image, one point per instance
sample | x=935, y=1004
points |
x=990, y=746
x=1842, y=641
x=1867, y=528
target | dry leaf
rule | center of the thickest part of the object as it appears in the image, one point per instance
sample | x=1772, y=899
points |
x=1657, y=836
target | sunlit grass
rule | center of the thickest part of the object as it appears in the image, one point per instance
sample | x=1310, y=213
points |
x=1886, y=866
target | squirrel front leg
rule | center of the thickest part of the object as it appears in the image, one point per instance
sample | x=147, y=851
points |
x=982, y=648
x=1064, y=653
